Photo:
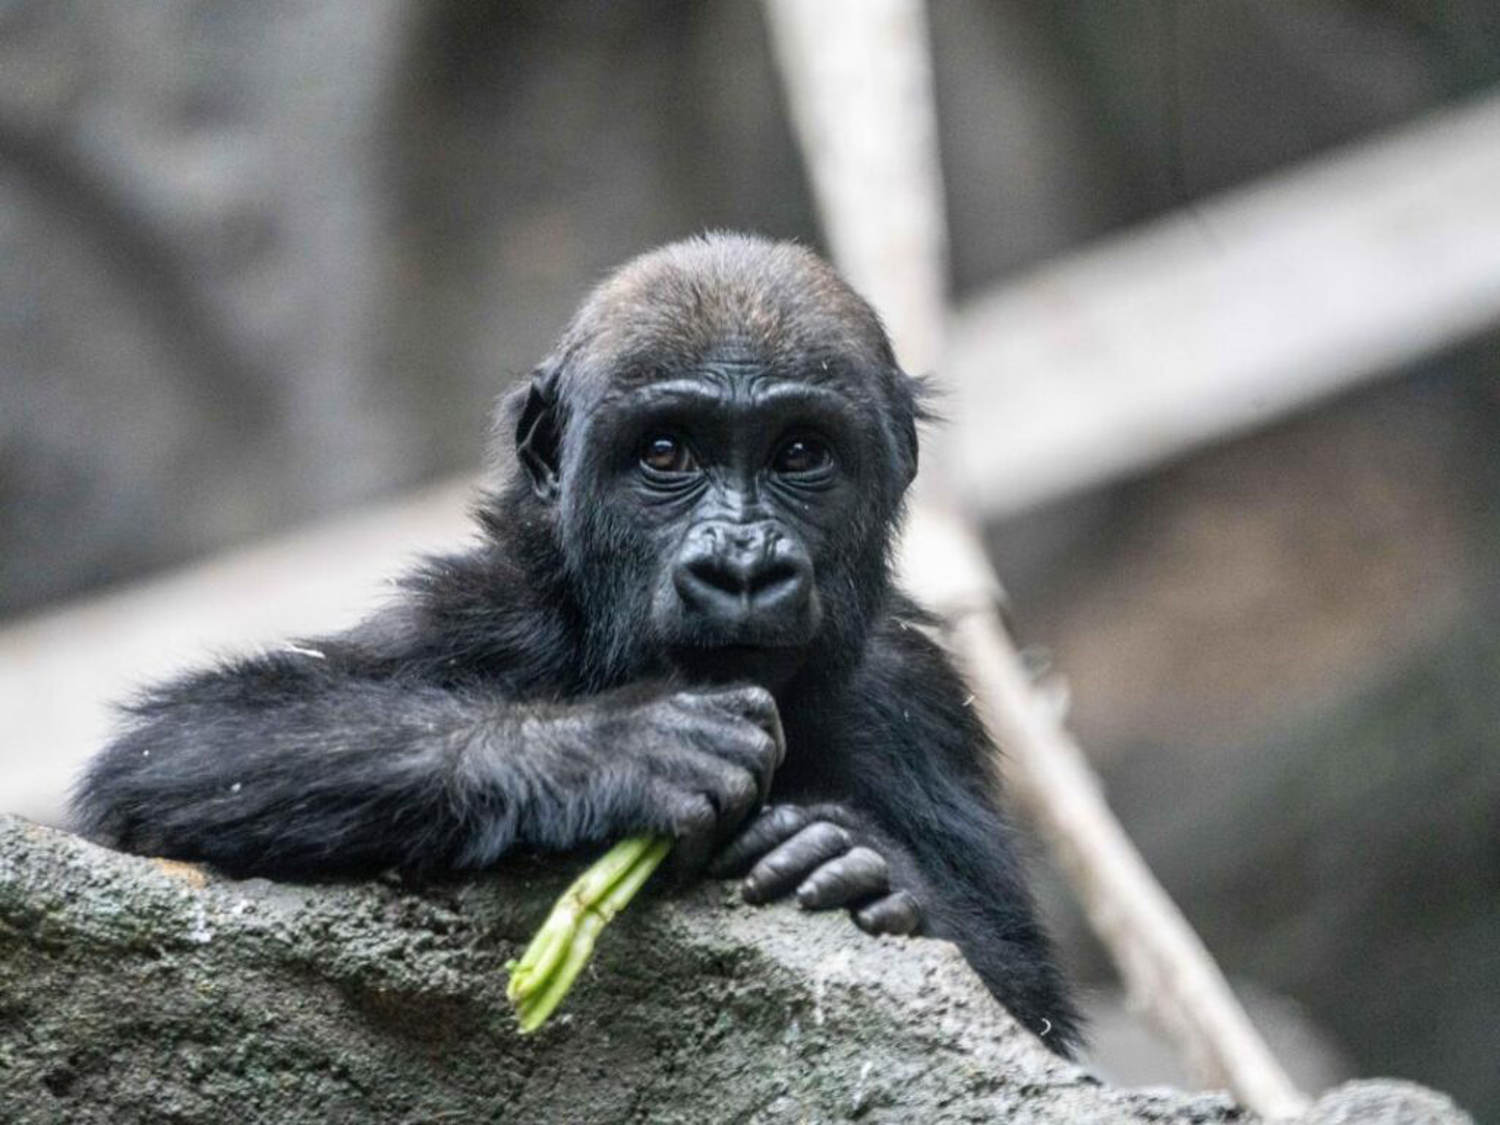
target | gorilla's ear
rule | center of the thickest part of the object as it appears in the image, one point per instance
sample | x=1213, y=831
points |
x=538, y=436
x=909, y=440
x=914, y=410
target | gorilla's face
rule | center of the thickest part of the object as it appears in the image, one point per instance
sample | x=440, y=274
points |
x=725, y=462
x=728, y=519
x=741, y=485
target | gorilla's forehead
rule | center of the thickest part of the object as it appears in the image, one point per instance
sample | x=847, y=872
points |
x=726, y=307
x=729, y=388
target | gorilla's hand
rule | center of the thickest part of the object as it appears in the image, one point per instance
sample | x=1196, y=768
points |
x=830, y=859
x=692, y=764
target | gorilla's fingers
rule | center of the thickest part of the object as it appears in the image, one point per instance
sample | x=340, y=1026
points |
x=767, y=771
x=897, y=913
x=752, y=749
x=739, y=725
x=728, y=780
x=758, y=706
x=778, y=873
x=771, y=827
x=855, y=875
x=693, y=820
x=735, y=792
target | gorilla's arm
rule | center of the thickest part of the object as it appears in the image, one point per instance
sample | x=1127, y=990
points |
x=312, y=761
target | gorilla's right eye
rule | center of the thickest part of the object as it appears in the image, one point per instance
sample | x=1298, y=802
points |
x=664, y=453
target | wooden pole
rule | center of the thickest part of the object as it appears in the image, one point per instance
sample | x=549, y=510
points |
x=857, y=75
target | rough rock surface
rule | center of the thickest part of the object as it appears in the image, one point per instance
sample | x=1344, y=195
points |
x=137, y=990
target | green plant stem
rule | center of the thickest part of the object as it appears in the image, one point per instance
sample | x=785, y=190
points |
x=562, y=946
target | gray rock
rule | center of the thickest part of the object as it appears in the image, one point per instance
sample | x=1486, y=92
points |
x=141, y=990
x=1383, y=1101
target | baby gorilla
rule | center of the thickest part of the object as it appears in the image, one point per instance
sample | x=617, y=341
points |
x=679, y=619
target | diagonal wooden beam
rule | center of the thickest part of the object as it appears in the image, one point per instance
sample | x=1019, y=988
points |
x=1207, y=323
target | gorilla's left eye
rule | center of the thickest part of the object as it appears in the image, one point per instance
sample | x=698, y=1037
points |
x=665, y=453
x=802, y=455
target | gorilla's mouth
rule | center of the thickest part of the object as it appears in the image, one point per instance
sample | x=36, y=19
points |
x=767, y=665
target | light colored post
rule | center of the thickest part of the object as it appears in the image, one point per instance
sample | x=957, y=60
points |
x=858, y=79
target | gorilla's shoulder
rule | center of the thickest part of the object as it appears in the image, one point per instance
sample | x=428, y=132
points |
x=906, y=654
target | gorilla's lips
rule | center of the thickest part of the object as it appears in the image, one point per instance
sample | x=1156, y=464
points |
x=767, y=665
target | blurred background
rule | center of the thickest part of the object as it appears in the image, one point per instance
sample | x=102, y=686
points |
x=1226, y=392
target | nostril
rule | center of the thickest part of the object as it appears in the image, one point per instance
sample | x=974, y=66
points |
x=714, y=573
x=767, y=579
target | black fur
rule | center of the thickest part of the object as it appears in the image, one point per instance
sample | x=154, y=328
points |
x=681, y=610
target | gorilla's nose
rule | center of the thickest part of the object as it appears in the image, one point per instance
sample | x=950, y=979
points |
x=744, y=576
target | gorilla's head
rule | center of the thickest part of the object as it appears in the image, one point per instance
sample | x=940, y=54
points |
x=719, y=444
